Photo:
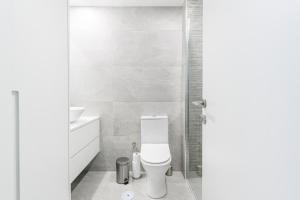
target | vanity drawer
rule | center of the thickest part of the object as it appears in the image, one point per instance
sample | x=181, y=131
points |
x=81, y=137
x=82, y=158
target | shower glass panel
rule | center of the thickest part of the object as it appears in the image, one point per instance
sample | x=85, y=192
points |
x=193, y=66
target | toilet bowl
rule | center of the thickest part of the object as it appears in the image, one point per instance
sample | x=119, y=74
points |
x=156, y=161
x=155, y=153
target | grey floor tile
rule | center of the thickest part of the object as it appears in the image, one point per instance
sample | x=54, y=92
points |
x=102, y=186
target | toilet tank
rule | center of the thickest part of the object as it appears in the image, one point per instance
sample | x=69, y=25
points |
x=154, y=130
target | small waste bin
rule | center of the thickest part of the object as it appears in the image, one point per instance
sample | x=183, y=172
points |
x=122, y=167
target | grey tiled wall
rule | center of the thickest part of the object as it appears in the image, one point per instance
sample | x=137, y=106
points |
x=193, y=63
x=124, y=63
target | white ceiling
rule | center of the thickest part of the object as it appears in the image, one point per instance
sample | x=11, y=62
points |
x=126, y=2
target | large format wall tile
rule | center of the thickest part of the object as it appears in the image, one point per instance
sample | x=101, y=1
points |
x=92, y=84
x=127, y=48
x=144, y=84
x=129, y=114
x=147, y=48
x=104, y=109
x=131, y=18
x=124, y=63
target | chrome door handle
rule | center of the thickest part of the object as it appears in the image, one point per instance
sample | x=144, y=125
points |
x=203, y=118
x=201, y=103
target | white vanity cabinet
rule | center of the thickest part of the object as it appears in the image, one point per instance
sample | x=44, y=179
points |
x=84, y=144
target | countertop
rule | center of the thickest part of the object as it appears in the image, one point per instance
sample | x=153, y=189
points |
x=82, y=121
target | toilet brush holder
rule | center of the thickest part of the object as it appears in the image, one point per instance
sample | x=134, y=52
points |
x=136, y=165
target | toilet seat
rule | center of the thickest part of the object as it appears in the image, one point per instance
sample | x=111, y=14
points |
x=155, y=153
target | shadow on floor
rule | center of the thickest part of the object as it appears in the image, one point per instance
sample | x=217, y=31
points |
x=87, y=183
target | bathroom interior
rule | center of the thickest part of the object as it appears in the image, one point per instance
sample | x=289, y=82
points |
x=149, y=99
x=129, y=63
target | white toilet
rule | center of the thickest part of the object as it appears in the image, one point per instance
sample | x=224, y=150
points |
x=155, y=153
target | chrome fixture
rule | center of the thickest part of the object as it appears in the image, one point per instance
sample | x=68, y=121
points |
x=201, y=103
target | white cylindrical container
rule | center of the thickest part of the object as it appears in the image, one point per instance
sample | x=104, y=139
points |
x=136, y=165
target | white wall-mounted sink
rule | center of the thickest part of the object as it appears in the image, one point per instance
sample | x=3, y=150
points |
x=75, y=113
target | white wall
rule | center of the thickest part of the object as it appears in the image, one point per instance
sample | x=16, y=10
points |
x=7, y=139
x=34, y=46
x=251, y=81
x=126, y=62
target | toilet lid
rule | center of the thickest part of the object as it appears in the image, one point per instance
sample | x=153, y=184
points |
x=155, y=153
